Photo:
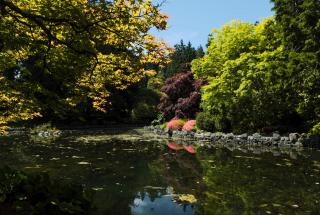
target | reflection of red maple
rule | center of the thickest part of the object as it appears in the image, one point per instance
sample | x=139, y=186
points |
x=190, y=149
x=189, y=126
x=175, y=146
x=178, y=147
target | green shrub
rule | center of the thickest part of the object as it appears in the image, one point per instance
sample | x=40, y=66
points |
x=205, y=122
x=315, y=130
x=163, y=126
x=143, y=112
x=159, y=120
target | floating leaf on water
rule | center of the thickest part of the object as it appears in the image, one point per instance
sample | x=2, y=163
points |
x=33, y=167
x=97, y=188
x=247, y=157
x=185, y=198
x=154, y=188
x=219, y=193
x=83, y=163
x=289, y=164
x=76, y=157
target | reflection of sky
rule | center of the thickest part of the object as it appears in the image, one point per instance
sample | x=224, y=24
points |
x=159, y=206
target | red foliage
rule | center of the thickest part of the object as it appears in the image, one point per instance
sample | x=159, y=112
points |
x=190, y=149
x=182, y=97
x=176, y=124
x=189, y=126
x=175, y=146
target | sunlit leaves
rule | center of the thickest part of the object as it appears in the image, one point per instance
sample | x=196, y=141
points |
x=69, y=52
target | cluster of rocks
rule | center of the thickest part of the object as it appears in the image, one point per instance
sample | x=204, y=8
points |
x=47, y=133
x=256, y=139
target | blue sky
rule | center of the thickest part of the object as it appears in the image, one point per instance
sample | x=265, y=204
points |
x=193, y=20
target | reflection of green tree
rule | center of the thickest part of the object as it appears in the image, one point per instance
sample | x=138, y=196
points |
x=124, y=171
x=38, y=194
x=180, y=170
x=238, y=183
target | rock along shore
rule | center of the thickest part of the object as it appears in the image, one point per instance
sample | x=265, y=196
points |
x=256, y=139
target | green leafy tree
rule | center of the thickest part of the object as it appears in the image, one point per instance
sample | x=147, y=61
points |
x=300, y=33
x=246, y=67
x=57, y=55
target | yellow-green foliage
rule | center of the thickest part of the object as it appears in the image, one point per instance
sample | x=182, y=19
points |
x=315, y=130
x=248, y=83
x=58, y=54
x=185, y=198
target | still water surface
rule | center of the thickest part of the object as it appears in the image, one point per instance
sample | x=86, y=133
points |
x=136, y=173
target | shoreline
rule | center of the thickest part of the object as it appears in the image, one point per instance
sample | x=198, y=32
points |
x=295, y=140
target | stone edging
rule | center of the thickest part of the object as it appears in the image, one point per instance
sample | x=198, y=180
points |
x=257, y=139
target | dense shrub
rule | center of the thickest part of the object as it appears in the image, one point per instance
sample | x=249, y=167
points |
x=189, y=126
x=143, y=112
x=145, y=103
x=315, y=130
x=205, y=122
x=176, y=124
x=182, y=96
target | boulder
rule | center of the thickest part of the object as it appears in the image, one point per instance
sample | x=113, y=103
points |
x=294, y=137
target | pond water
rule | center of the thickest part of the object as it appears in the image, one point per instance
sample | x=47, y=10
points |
x=133, y=172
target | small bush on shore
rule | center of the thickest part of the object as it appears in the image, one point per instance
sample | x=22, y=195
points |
x=190, y=125
x=205, y=122
x=176, y=124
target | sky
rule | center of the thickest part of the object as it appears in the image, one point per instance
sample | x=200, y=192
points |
x=193, y=20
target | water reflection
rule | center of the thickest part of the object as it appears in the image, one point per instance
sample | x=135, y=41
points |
x=141, y=176
x=159, y=206
x=178, y=147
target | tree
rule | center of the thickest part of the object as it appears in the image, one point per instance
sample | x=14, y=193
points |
x=182, y=96
x=57, y=55
x=300, y=29
x=180, y=59
x=200, y=52
x=248, y=77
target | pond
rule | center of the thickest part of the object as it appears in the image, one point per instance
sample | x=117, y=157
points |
x=135, y=172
